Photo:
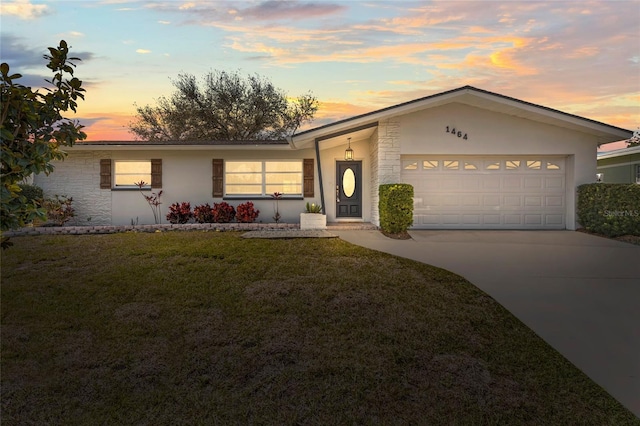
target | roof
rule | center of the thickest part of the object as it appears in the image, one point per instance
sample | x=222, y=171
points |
x=619, y=152
x=475, y=97
x=178, y=145
x=212, y=143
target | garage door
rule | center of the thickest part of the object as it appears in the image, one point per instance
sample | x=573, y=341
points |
x=456, y=192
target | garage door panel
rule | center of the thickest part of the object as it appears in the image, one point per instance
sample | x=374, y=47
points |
x=488, y=192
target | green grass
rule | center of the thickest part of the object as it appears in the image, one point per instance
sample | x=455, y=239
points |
x=210, y=328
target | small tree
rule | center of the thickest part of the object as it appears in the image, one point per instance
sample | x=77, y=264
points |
x=226, y=106
x=33, y=131
x=634, y=140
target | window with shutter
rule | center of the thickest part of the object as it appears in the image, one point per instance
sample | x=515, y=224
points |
x=105, y=174
x=217, y=177
x=156, y=173
x=308, y=173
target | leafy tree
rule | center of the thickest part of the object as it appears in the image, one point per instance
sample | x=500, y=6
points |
x=226, y=106
x=634, y=140
x=33, y=131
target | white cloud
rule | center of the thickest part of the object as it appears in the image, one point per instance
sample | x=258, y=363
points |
x=143, y=51
x=164, y=22
x=23, y=9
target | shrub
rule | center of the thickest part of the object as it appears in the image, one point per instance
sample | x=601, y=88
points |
x=611, y=209
x=59, y=209
x=31, y=193
x=313, y=208
x=203, y=213
x=245, y=213
x=396, y=207
x=223, y=212
x=179, y=213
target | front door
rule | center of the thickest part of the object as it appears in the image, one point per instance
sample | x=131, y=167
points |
x=348, y=188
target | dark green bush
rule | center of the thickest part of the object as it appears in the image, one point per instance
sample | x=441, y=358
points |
x=31, y=192
x=396, y=207
x=611, y=209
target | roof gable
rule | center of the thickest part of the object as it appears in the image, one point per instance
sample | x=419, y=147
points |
x=475, y=97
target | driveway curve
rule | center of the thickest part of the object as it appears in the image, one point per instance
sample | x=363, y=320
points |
x=579, y=292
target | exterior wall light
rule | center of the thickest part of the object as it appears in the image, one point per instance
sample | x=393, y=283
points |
x=348, y=153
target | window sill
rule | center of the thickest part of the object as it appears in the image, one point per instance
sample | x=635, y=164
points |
x=258, y=198
x=133, y=188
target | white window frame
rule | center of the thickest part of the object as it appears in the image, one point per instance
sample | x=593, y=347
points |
x=146, y=176
x=263, y=173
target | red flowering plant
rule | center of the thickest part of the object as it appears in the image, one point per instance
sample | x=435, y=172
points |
x=153, y=200
x=179, y=213
x=246, y=213
x=276, y=196
x=223, y=212
x=203, y=213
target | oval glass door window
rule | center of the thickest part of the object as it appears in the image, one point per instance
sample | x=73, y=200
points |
x=348, y=183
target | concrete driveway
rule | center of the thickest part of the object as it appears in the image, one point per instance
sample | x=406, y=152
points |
x=580, y=293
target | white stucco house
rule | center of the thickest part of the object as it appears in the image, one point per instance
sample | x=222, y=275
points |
x=476, y=159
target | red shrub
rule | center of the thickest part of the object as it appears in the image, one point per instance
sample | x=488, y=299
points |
x=223, y=212
x=203, y=213
x=246, y=213
x=179, y=213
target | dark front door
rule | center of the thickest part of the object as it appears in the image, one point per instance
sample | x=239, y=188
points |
x=348, y=189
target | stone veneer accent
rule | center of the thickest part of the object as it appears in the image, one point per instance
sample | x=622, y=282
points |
x=78, y=176
x=385, y=161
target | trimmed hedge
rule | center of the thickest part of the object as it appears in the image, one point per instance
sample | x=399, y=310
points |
x=611, y=209
x=396, y=207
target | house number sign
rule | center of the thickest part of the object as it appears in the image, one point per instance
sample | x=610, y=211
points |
x=457, y=133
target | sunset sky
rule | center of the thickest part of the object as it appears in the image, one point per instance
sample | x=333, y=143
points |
x=581, y=57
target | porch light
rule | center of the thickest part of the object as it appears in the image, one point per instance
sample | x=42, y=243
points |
x=348, y=153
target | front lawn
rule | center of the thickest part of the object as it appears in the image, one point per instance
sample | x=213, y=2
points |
x=210, y=328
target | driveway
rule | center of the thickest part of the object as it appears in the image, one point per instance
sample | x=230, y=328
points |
x=579, y=292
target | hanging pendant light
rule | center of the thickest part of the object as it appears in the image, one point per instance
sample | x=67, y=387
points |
x=348, y=153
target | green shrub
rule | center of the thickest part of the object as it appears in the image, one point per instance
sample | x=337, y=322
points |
x=396, y=207
x=31, y=192
x=611, y=209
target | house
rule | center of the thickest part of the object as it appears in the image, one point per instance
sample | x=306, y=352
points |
x=476, y=159
x=620, y=166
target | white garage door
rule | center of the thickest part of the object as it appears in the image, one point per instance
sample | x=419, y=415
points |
x=456, y=192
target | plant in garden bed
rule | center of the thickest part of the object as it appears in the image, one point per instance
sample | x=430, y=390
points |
x=179, y=213
x=223, y=212
x=59, y=209
x=203, y=214
x=276, y=196
x=246, y=213
x=153, y=200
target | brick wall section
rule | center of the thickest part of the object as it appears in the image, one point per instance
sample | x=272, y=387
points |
x=385, y=160
x=78, y=176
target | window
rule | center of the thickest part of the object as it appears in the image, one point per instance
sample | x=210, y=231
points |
x=512, y=164
x=553, y=165
x=430, y=164
x=451, y=164
x=492, y=165
x=263, y=178
x=410, y=165
x=470, y=166
x=128, y=173
x=534, y=165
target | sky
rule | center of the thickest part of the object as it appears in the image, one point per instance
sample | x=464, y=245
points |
x=580, y=57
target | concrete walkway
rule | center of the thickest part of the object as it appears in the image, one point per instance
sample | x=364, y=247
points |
x=579, y=292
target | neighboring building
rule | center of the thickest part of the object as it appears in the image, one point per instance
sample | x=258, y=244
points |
x=620, y=166
x=476, y=159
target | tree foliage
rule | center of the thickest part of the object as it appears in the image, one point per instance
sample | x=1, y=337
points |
x=33, y=131
x=226, y=106
x=634, y=140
